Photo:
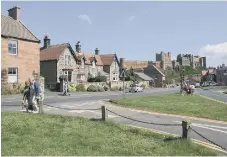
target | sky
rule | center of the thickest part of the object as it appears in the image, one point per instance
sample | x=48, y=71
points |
x=134, y=30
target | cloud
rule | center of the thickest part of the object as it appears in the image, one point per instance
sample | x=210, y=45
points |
x=85, y=17
x=131, y=18
x=216, y=53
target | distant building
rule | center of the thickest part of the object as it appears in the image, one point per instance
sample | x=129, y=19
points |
x=191, y=60
x=163, y=60
x=221, y=73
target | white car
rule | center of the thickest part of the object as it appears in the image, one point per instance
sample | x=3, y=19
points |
x=135, y=88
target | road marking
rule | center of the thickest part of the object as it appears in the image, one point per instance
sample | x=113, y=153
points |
x=207, y=127
x=210, y=128
x=77, y=111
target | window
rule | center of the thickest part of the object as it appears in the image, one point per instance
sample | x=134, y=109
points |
x=82, y=62
x=12, y=75
x=68, y=73
x=80, y=77
x=12, y=47
x=67, y=60
x=93, y=64
x=115, y=76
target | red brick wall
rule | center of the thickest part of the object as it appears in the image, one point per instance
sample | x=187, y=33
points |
x=27, y=60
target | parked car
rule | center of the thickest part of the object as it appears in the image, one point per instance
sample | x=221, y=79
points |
x=135, y=88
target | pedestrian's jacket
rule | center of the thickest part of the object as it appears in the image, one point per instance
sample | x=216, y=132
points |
x=36, y=89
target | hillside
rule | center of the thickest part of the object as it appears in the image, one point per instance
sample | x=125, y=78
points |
x=174, y=75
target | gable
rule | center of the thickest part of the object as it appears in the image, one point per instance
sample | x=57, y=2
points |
x=11, y=28
x=54, y=52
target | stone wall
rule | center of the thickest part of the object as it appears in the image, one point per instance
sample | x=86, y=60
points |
x=61, y=65
x=135, y=64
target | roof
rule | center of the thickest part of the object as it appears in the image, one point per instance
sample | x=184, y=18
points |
x=144, y=76
x=15, y=29
x=90, y=57
x=107, y=59
x=223, y=68
x=159, y=70
x=53, y=52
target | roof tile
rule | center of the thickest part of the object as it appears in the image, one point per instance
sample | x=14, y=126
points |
x=16, y=29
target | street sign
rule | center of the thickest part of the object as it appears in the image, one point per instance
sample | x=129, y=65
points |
x=123, y=75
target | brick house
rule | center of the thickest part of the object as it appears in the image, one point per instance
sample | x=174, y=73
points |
x=221, y=74
x=20, y=49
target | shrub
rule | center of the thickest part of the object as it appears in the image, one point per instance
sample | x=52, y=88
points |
x=106, y=88
x=100, y=89
x=72, y=88
x=100, y=78
x=114, y=88
x=14, y=88
x=92, y=88
x=80, y=88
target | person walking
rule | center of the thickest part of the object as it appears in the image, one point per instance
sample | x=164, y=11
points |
x=34, y=94
x=65, y=88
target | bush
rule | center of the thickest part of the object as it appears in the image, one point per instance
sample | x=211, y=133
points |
x=92, y=88
x=100, y=89
x=80, y=88
x=114, y=88
x=98, y=78
x=72, y=88
x=15, y=88
x=106, y=88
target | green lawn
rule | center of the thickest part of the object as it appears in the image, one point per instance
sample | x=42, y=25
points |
x=25, y=134
x=176, y=104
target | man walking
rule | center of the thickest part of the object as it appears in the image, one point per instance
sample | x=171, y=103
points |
x=34, y=94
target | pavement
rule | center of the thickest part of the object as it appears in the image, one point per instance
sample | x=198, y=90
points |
x=214, y=130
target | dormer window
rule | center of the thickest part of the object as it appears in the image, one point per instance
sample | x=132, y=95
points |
x=82, y=62
x=93, y=64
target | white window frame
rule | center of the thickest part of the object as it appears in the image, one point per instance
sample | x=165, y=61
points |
x=81, y=77
x=115, y=76
x=93, y=64
x=13, y=46
x=66, y=72
x=11, y=69
x=68, y=60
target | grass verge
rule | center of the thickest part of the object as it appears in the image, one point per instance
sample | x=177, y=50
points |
x=26, y=134
x=196, y=106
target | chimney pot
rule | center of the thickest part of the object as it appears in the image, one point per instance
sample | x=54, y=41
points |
x=78, y=47
x=15, y=13
x=97, y=51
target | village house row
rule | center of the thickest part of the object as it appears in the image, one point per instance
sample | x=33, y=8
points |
x=22, y=55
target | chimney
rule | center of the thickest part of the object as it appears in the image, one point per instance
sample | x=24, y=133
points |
x=122, y=63
x=97, y=51
x=15, y=13
x=46, y=41
x=78, y=47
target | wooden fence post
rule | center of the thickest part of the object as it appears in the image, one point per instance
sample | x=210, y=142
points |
x=103, y=108
x=184, y=129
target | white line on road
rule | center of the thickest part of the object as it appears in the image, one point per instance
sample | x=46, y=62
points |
x=77, y=111
x=210, y=128
x=205, y=126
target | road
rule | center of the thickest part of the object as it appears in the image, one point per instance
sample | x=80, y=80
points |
x=215, y=131
x=214, y=93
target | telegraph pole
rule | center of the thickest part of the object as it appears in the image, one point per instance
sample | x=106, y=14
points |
x=181, y=79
